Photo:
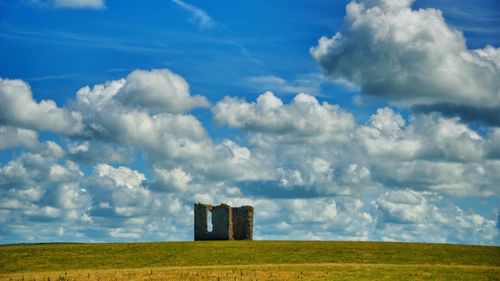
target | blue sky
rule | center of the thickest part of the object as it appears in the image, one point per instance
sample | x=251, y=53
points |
x=117, y=117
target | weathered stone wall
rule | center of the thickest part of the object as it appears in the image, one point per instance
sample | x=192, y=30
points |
x=221, y=222
x=200, y=221
x=243, y=223
x=227, y=223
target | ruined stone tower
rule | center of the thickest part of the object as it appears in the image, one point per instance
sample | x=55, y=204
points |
x=226, y=223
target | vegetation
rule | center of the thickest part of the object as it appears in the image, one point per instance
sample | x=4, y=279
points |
x=250, y=260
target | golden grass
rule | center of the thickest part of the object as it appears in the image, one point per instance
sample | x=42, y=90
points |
x=273, y=272
x=249, y=260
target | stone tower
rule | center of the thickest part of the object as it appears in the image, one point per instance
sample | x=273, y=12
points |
x=227, y=223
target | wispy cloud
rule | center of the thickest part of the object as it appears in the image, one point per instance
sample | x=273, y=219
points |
x=80, y=39
x=309, y=83
x=70, y=4
x=198, y=16
x=52, y=77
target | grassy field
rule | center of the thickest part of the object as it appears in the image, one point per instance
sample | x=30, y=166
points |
x=249, y=260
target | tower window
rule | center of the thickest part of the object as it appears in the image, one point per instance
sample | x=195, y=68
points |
x=210, y=226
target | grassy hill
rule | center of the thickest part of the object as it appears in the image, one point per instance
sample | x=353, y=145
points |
x=250, y=260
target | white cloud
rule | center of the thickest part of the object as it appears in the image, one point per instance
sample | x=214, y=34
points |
x=43, y=212
x=421, y=218
x=68, y=172
x=403, y=207
x=41, y=186
x=119, y=177
x=71, y=197
x=14, y=137
x=79, y=4
x=447, y=138
x=494, y=143
x=158, y=90
x=411, y=57
x=309, y=169
x=175, y=136
x=144, y=111
x=70, y=4
x=306, y=83
x=154, y=91
x=224, y=162
x=126, y=233
x=385, y=136
x=121, y=112
x=429, y=153
x=19, y=109
x=312, y=219
x=31, y=168
x=121, y=190
x=304, y=119
x=318, y=147
x=426, y=137
x=314, y=171
x=198, y=16
x=99, y=152
x=176, y=178
x=232, y=161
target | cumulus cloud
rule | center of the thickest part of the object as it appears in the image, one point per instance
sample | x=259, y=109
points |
x=318, y=147
x=125, y=208
x=147, y=110
x=307, y=166
x=154, y=91
x=119, y=177
x=120, y=190
x=29, y=168
x=304, y=119
x=411, y=57
x=225, y=162
x=493, y=146
x=418, y=215
x=38, y=188
x=176, y=179
x=426, y=137
x=431, y=152
x=124, y=110
x=173, y=136
x=19, y=109
x=98, y=152
x=159, y=91
x=143, y=110
x=313, y=219
x=13, y=137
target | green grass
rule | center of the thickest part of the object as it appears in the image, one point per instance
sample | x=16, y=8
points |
x=59, y=257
